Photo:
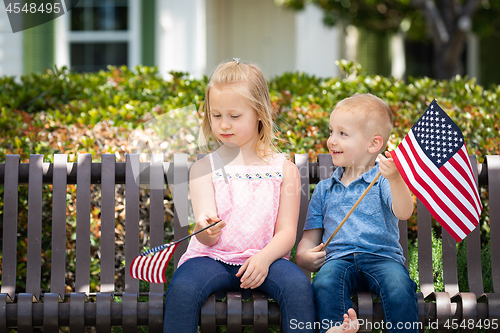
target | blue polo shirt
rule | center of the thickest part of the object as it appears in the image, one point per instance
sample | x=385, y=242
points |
x=371, y=228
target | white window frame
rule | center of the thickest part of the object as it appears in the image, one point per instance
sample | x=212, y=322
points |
x=64, y=36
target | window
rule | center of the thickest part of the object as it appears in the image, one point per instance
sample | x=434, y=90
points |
x=91, y=57
x=100, y=33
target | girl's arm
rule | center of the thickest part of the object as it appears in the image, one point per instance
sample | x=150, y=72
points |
x=402, y=201
x=203, y=199
x=254, y=271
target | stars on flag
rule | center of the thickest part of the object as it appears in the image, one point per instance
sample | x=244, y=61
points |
x=439, y=137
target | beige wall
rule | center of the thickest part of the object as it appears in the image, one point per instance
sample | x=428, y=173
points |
x=253, y=30
x=11, y=47
x=318, y=46
x=181, y=36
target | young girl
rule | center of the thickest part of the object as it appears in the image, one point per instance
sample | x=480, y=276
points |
x=255, y=193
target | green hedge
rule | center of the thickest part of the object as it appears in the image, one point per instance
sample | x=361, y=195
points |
x=64, y=112
x=304, y=103
x=36, y=109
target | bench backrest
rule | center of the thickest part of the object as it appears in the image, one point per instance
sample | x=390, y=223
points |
x=156, y=173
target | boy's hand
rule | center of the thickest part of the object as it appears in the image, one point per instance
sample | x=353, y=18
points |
x=254, y=271
x=387, y=167
x=312, y=259
x=402, y=201
x=211, y=235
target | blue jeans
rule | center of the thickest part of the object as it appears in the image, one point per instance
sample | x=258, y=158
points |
x=197, y=278
x=339, y=279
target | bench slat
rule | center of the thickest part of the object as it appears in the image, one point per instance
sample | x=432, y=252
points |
x=155, y=319
x=3, y=313
x=493, y=299
x=443, y=309
x=234, y=307
x=180, y=195
x=103, y=311
x=129, y=315
x=34, y=263
x=442, y=299
x=424, y=249
x=260, y=312
x=58, y=260
x=131, y=220
x=474, y=270
x=108, y=203
x=207, y=317
x=493, y=163
x=156, y=232
x=156, y=209
x=450, y=277
x=468, y=303
x=365, y=310
x=25, y=312
x=10, y=213
x=77, y=311
x=301, y=160
x=403, y=240
x=51, y=310
x=82, y=274
x=325, y=166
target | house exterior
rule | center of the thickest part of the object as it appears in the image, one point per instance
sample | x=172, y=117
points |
x=195, y=36
x=175, y=35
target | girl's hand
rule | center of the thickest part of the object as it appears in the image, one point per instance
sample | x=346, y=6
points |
x=211, y=235
x=387, y=167
x=253, y=272
x=312, y=259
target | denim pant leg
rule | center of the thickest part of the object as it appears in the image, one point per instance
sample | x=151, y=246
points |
x=391, y=281
x=190, y=287
x=292, y=290
x=333, y=286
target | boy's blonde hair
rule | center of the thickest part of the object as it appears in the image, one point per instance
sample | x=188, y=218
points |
x=248, y=81
x=374, y=114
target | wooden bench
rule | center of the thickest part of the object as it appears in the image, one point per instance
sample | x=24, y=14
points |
x=127, y=308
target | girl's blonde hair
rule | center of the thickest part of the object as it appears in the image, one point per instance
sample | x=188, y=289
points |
x=249, y=83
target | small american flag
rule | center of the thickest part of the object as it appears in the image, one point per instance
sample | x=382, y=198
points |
x=434, y=163
x=150, y=266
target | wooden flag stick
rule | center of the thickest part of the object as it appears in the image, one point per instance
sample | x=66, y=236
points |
x=350, y=212
x=164, y=246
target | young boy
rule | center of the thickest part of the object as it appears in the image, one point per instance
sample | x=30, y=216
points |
x=365, y=255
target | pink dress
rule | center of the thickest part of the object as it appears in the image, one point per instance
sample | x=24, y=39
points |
x=247, y=199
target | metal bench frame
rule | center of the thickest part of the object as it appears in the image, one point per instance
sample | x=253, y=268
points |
x=80, y=308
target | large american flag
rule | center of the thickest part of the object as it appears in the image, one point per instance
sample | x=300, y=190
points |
x=434, y=163
x=150, y=266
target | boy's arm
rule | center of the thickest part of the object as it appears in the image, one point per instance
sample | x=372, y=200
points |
x=309, y=255
x=402, y=201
